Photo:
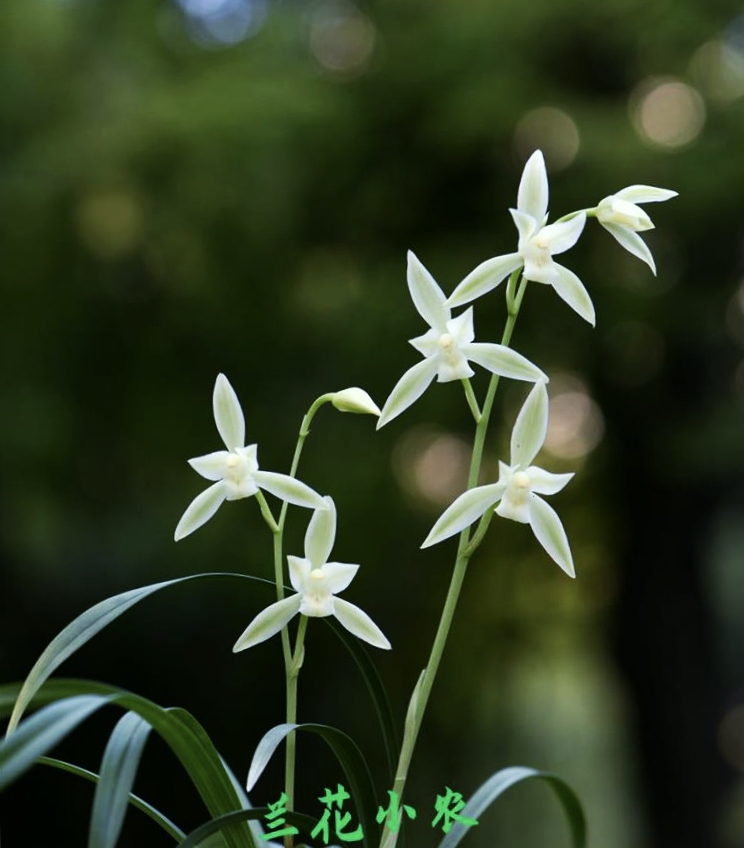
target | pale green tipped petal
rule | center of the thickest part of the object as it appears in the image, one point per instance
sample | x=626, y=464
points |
x=484, y=277
x=359, y=623
x=201, y=509
x=228, y=415
x=645, y=194
x=530, y=427
x=550, y=534
x=500, y=359
x=632, y=242
x=268, y=622
x=532, y=198
x=563, y=235
x=461, y=328
x=355, y=400
x=211, y=465
x=339, y=575
x=570, y=288
x=321, y=533
x=299, y=571
x=526, y=225
x=469, y=507
x=408, y=390
x=546, y=483
x=428, y=298
x=289, y=489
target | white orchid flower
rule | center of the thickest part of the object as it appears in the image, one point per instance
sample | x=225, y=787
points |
x=516, y=495
x=538, y=244
x=447, y=347
x=317, y=582
x=235, y=470
x=623, y=219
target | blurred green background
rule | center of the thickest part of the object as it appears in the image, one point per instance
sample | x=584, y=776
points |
x=190, y=187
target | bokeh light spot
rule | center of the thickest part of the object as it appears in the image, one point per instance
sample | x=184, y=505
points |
x=576, y=424
x=718, y=68
x=222, y=23
x=551, y=130
x=667, y=112
x=431, y=465
x=342, y=39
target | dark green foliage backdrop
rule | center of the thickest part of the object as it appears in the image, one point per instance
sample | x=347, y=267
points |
x=172, y=207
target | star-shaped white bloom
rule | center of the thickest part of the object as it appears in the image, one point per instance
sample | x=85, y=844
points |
x=447, y=347
x=538, y=243
x=516, y=495
x=235, y=470
x=317, y=582
x=620, y=215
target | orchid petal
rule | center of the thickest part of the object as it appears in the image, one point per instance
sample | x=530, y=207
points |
x=632, y=242
x=211, y=465
x=268, y=622
x=321, y=533
x=228, y=414
x=530, y=428
x=339, y=575
x=359, y=623
x=550, y=534
x=526, y=225
x=408, y=390
x=460, y=514
x=289, y=489
x=500, y=359
x=200, y=510
x=570, y=288
x=561, y=236
x=532, y=198
x=545, y=482
x=645, y=194
x=461, y=328
x=484, y=277
x=428, y=298
x=299, y=571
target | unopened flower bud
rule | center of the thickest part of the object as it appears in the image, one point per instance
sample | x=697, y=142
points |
x=355, y=400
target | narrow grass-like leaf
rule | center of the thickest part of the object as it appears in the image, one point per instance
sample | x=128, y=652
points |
x=42, y=732
x=118, y=769
x=134, y=800
x=376, y=689
x=85, y=626
x=498, y=783
x=349, y=757
x=181, y=732
x=197, y=837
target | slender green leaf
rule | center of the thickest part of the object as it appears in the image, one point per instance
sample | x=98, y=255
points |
x=134, y=800
x=118, y=769
x=85, y=626
x=182, y=733
x=347, y=753
x=376, y=690
x=41, y=732
x=197, y=837
x=498, y=783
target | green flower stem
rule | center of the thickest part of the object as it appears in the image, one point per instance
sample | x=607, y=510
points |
x=472, y=402
x=590, y=213
x=293, y=673
x=292, y=662
x=266, y=512
x=514, y=298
